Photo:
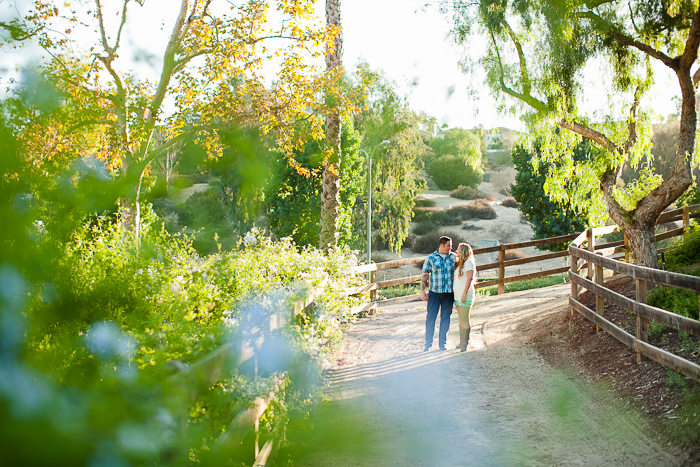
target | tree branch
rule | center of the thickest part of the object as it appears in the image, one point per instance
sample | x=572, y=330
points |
x=627, y=40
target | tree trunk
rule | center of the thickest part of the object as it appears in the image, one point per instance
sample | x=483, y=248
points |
x=330, y=200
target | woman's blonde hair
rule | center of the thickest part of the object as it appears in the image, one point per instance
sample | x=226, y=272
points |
x=464, y=252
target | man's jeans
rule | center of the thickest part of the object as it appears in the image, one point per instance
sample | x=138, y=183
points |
x=442, y=302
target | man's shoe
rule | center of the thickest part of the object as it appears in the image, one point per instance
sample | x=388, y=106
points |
x=426, y=348
x=443, y=348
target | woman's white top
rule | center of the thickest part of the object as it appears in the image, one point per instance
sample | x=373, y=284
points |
x=458, y=283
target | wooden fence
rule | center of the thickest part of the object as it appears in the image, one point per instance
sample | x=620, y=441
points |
x=599, y=261
x=191, y=381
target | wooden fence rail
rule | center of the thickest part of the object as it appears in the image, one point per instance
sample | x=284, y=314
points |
x=598, y=262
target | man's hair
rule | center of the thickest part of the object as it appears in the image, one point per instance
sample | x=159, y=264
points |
x=445, y=240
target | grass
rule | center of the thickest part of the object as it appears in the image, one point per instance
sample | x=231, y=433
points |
x=410, y=289
x=398, y=291
x=529, y=284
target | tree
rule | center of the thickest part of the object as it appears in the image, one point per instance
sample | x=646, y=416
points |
x=293, y=199
x=210, y=71
x=548, y=218
x=331, y=177
x=537, y=54
x=384, y=115
x=459, y=159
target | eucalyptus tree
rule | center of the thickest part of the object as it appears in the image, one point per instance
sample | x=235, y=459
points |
x=537, y=56
x=330, y=201
x=210, y=73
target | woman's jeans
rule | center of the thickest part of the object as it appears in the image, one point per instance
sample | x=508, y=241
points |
x=442, y=302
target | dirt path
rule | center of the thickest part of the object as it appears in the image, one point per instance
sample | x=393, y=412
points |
x=498, y=404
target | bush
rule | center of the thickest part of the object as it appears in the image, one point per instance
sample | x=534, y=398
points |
x=476, y=209
x=514, y=254
x=679, y=301
x=435, y=217
x=421, y=214
x=424, y=228
x=685, y=250
x=503, y=179
x=510, y=202
x=449, y=172
x=424, y=203
x=505, y=233
x=203, y=209
x=429, y=242
x=467, y=192
x=471, y=227
x=487, y=176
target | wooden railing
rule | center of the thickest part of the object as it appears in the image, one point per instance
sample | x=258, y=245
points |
x=500, y=265
x=684, y=214
x=599, y=261
x=191, y=381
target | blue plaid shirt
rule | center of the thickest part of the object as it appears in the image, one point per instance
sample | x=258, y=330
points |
x=441, y=271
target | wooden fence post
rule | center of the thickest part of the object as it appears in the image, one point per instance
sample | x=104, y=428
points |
x=642, y=332
x=599, y=300
x=501, y=272
x=373, y=293
x=574, y=286
x=591, y=248
x=686, y=220
x=627, y=249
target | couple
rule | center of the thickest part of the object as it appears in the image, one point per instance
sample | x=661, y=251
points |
x=452, y=279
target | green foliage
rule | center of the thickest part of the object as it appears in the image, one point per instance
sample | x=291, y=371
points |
x=547, y=217
x=528, y=284
x=428, y=243
x=396, y=166
x=468, y=193
x=449, y=172
x=424, y=203
x=203, y=209
x=293, y=195
x=476, y=209
x=685, y=250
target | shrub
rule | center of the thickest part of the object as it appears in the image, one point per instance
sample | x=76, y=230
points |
x=503, y=179
x=685, y=250
x=515, y=254
x=424, y=228
x=429, y=242
x=500, y=158
x=421, y=214
x=505, y=233
x=471, y=227
x=679, y=301
x=487, y=176
x=467, y=192
x=476, y=209
x=510, y=202
x=435, y=217
x=449, y=172
x=203, y=209
x=425, y=203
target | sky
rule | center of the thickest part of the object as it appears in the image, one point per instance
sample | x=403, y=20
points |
x=408, y=42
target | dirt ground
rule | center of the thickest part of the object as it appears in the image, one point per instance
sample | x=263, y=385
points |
x=518, y=396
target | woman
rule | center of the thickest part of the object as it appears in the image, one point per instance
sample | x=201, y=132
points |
x=463, y=288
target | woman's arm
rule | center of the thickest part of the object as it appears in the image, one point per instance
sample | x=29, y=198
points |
x=470, y=276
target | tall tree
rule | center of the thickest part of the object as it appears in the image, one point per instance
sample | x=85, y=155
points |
x=331, y=177
x=537, y=54
x=384, y=115
x=210, y=72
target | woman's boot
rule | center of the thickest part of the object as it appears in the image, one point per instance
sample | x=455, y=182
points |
x=463, y=339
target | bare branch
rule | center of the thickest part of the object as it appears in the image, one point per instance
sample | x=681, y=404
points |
x=589, y=133
x=521, y=57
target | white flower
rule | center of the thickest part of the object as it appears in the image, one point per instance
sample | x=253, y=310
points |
x=248, y=239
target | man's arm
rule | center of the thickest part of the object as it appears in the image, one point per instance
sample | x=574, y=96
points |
x=423, y=280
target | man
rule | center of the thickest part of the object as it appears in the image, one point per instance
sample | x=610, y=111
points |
x=438, y=267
